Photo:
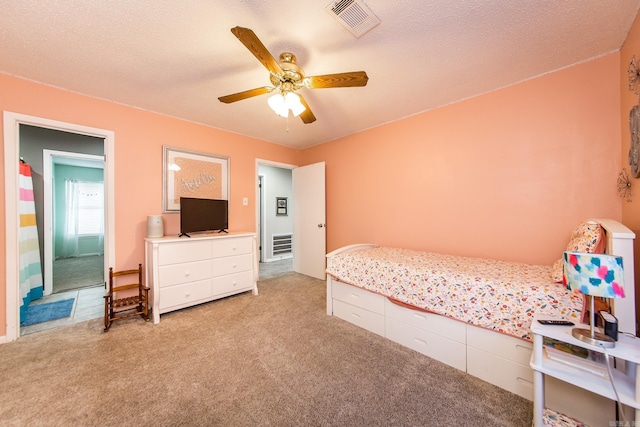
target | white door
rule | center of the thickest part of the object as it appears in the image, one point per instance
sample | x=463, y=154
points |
x=309, y=217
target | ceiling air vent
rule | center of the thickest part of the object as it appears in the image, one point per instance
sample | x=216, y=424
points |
x=354, y=15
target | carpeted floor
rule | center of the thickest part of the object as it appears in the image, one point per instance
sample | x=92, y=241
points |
x=275, y=359
x=77, y=273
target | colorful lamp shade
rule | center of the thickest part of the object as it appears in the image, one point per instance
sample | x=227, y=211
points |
x=595, y=275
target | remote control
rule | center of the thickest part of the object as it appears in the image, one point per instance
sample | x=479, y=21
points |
x=555, y=322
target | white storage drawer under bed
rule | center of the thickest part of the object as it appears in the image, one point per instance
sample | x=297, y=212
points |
x=430, y=322
x=358, y=297
x=428, y=343
x=500, y=359
x=373, y=322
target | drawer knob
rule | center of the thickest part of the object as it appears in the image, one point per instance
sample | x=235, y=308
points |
x=187, y=294
x=187, y=273
x=235, y=265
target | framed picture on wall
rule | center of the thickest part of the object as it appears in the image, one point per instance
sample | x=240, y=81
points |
x=281, y=206
x=188, y=173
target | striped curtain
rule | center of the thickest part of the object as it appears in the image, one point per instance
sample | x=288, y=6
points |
x=30, y=268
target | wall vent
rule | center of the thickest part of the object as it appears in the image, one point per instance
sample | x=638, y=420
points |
x=282, y=244
x=354, y=15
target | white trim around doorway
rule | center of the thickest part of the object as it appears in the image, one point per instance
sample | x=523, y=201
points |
x=12, y=122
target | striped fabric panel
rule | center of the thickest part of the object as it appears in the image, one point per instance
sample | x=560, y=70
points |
x=31, y=282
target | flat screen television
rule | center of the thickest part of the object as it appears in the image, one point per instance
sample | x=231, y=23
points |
x=200, y=215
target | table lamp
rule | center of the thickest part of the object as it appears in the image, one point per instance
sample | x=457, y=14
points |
x=594, y=275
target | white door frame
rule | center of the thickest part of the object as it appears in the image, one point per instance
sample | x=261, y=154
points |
x=48, y=158
x=260, y=212
x=12, y=122
x=261, y=216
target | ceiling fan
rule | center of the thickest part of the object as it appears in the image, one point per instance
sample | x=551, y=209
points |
x=287, y=77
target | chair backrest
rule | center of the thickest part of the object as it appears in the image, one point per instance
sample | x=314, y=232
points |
x=115, y=279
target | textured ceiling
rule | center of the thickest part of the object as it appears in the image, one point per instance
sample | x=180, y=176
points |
x=177, y=58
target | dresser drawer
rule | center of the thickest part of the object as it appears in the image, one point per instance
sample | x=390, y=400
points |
x=358, y=297
x=171, y=275
x=232, y=246
x=233, y=283
x=188, y=251
x=184, y=295
x=232, y=264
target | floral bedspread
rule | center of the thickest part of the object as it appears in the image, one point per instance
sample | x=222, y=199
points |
x=498, y=295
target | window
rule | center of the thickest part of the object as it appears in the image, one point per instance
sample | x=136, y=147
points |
x=89, y=213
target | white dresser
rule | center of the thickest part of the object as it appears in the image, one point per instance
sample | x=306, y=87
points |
x=185, y=271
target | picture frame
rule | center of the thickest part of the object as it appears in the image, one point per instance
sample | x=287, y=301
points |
x=187, y=173
x=281, y=206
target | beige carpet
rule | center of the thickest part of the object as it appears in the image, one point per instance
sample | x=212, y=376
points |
x=275, y=359
x=78, y=273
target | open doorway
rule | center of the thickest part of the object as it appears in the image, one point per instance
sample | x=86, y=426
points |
x=275, y=219
x=73, y=220
x=306, y=209
x=17, y=129
x=68, y=186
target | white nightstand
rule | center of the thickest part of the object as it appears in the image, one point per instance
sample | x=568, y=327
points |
x=626, y=349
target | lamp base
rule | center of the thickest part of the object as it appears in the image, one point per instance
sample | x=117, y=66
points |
x=597, y=339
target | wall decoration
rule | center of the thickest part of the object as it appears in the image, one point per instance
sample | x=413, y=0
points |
x=634, y=76
x=634, y=118
x=281, y=206
x=192, y=174
x=634, y=149
x=624, y=185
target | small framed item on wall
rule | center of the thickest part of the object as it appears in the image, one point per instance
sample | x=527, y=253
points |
x=192, y=174
x=281, y=206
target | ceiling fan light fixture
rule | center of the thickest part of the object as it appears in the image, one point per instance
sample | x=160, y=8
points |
x=293, y=103
x=281, y=104
x=277, y=104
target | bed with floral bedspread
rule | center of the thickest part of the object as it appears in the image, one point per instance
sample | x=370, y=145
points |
x=497, y=295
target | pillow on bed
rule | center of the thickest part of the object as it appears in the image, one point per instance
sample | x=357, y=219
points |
x=587, y=237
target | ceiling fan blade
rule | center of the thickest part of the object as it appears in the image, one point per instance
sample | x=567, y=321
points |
x=246, y=94
x=255, y=46
x=306, y=116
x=352, y=79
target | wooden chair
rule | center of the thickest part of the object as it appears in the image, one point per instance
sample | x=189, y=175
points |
x=134, y=305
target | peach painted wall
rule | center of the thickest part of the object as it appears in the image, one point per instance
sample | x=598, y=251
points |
x=630, y=210
x=139, y=137
x=504, y=175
